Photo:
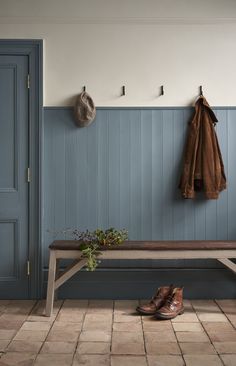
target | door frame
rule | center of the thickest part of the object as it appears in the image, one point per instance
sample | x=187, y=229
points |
x=33, y=48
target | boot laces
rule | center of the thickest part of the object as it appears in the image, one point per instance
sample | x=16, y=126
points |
x=169, y=300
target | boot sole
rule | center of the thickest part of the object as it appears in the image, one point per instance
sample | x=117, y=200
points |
x=143, y=312
x=167, y=317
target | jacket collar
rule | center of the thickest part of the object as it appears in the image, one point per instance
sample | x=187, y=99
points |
x=201, y=101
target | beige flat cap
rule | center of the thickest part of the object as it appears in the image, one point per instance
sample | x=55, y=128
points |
x=84, y=110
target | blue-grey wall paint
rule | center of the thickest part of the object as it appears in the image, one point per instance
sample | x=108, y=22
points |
x=123, y=171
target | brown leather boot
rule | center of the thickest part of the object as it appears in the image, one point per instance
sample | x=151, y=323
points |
x=173, y=305
x=156, y=302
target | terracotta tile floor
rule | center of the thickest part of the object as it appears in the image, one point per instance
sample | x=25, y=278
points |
x=102, y=333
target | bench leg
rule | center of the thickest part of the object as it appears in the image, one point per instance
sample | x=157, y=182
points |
x=57, y=275
x=228, y=263
x=51, y=283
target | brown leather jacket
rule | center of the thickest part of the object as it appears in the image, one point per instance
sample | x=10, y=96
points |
x=203, y=165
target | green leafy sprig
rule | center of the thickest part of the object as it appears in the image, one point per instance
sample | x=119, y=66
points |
x=93, y=242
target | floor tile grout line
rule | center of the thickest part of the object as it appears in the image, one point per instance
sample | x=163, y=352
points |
x=218, y=306
x=178, y=342
x=205, y=331
x=5, y=349
x=144, y=340
x=33, y=308
x=26, y=319
x=234, y=326
x=222, y=360
x=62, y=302
x=229, y=322
x=82, y=325
x=26, y=315
x=112, y=323
x=222, y=311
x=202, y=323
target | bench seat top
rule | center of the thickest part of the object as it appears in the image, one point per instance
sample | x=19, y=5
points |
x=153, y=245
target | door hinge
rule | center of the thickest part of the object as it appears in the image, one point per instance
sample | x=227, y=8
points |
x=28, y=81
x=28, y=175
x=28, y=268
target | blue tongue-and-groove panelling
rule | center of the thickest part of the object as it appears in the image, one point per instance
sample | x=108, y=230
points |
x=123, y=171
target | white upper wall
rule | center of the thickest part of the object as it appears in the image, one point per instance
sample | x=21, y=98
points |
x=118, y=8
x=141, y=44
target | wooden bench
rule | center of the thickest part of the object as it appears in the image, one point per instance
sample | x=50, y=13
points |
x=69, y=249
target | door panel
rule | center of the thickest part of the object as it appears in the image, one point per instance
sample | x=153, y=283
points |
x=8, y=269
x=8, y=83
x=13, y=182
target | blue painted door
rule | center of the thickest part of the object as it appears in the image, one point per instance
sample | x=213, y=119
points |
x=14, y=131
